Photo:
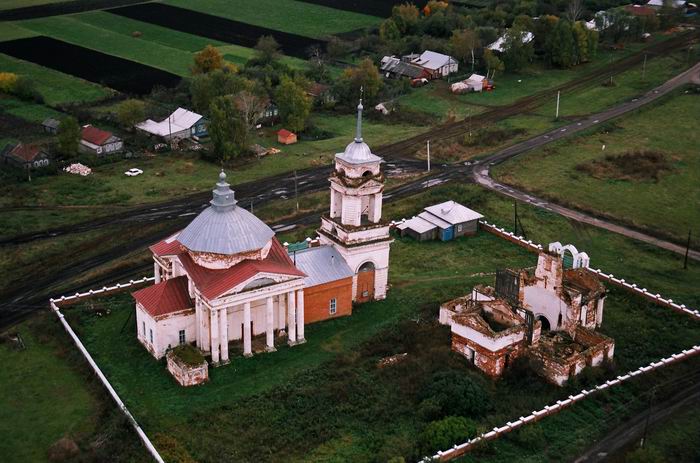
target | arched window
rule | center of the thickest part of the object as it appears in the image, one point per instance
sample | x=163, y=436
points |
x=545, y=322
x=366, y=267
x=367, y=173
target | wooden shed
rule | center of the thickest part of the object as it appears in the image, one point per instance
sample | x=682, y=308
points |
x=286, y=137
x=444, y=221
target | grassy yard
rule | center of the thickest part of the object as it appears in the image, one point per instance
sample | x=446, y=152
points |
x=284, y=15
x=32, y=112
x=56, y=87
x=436, y=99
x=661, y=196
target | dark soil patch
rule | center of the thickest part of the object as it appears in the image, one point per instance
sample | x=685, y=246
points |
x=634, y=165
x=380, y=8
x=57, y=9
x=215, y=27
x=117, y=73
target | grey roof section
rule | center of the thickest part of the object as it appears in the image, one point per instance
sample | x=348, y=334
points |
x=417, y=224
x=51, y=122
x=224, y=228
x=357, y=151
x=396, y=66
x=321, y=264
x=434, y=220
x=453, y=212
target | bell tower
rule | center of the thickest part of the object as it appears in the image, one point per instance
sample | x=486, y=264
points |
x=354, y=224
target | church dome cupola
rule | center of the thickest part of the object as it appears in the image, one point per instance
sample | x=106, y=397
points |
x=357, y=151
x=223, y=234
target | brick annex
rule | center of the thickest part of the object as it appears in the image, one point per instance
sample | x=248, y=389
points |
x=226, y=281
x=550, y=316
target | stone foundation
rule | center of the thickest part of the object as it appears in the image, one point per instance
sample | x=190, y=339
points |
x=187, y=375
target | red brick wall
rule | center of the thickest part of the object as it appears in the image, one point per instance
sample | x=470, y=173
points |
x=317, y=300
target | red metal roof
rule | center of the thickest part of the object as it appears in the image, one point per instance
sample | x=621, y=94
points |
x=639, y=10
x=170, y=246
x=166, y=297
x=285, y=133
x=94, y=135
x=213, y=283
x=26, y=152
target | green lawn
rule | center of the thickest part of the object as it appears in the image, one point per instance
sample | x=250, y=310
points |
x=44, y=397
x=56, y=88
x=667, y=206
x=33, y=112
x=436, y=98
x=284, y=15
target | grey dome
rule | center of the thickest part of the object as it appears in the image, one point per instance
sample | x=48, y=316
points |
x=225, y=228
x=357, y=151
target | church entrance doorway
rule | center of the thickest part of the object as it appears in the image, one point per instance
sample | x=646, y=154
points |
x=365, y=283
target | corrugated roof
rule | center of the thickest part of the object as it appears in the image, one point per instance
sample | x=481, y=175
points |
x=434, y=220
x=165, y=297
x=433, y=60
x=214, y=283
x=181, y=119
x=418, y=225
x=95, y=136
x=322, y=264
x=170, y=246
x=453, y=212
x=224, y=228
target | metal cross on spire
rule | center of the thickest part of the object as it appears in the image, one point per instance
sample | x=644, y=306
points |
x=358, y=135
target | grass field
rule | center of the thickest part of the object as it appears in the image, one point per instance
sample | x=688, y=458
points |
x=284, y=15
x=667, y=206
x=32, y=112
x=56, y=88
x=11, y=4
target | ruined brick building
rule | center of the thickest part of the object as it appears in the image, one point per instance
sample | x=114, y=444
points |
x=549, y=315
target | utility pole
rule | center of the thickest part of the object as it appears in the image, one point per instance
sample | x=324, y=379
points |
x=687, y=251
x=515, y=216
x=296, y=190
x=469, y=115
x=428, y=155
x=556, y=117
x=644, y=68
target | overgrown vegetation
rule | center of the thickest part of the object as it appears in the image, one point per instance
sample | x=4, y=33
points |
x=633, y=165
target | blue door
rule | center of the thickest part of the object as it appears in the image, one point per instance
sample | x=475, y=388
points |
x=447, y=234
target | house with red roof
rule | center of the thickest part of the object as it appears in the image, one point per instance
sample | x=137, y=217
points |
x=99, y=142
x=286, y=137
x=225, y=278
x=25, y=156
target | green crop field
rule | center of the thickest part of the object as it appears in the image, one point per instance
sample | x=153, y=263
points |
x=11, y=4
x=663, y=198
x=290, y=16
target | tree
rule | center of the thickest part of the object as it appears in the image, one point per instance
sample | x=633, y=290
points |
x=463, y=43
x=267, y=50
x=130, y=112
x=251, y=107
x=8, y=81
x=517, y=52
x=204, y=88
x=207, y=60
x=388, y=30
x=443, y=434
x=68, y=135
x=493, y=63
x=405, y=16
x=574, y=10
x=456, y=394
x=293, y=103
x=366, y=76
x=561, y=46
x=227, y=128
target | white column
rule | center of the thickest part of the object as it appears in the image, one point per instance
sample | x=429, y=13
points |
x=269, y=326
x=247, y=349
x=156, y=272
x=204, y=327
x=197, y=323
x=214, y=335
x=376, y=208
x=223, y=334
x=281, y=312
x=300, y=317
x=291, y=319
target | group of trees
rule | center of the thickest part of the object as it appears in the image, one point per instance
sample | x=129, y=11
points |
x=20, y=86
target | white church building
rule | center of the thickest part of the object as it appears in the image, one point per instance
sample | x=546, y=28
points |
x=226, y=278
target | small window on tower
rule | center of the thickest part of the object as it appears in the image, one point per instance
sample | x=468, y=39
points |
x=332, y=307
x=181, y=336
x=150, y=335
x=144, y=328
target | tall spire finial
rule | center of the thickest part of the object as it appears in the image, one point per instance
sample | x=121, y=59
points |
x=358, y=135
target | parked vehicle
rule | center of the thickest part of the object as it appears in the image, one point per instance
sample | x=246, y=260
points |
x=419, y=82
x=133, y=172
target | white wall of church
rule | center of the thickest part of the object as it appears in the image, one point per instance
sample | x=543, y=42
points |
x=545, y=302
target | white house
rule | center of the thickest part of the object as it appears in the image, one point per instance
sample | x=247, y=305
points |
x=525, y=37
x=181, y=124
x=436, y=64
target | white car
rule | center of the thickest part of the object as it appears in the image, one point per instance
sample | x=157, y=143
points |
x=133, y=172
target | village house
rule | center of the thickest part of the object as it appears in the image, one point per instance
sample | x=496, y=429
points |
x=499, y=44
x=51, y=125
x=226, y=278
x=550, y=316
x=436, y=64
x=391, y=66
x=444, y=221
x=181, y=124
x=99, y=142
x=25, y=156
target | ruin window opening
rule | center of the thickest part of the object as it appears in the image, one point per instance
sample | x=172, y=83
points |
x=545, y=323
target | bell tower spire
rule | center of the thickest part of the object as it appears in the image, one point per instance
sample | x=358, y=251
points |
x=358, y=133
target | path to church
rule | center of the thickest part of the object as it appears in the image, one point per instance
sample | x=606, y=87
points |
x=25, y=299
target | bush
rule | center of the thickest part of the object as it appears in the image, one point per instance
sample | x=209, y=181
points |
x=645, y=455
x=189, y=355
x=443, y=434
x=529, y=437
x=457, y=394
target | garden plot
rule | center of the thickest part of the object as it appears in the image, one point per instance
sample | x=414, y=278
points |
x=117, y=73
x=216, y=28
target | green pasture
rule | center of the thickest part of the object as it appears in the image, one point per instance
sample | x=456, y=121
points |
x=56, y=87
x=32, y=112
x=667, y=206
x=11, y=4
x=290, y=16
